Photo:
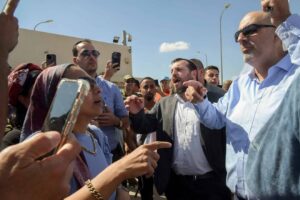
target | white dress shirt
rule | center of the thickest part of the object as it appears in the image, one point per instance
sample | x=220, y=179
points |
x=188, y=158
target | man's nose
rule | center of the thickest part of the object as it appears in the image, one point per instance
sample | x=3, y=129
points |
x=241, y=38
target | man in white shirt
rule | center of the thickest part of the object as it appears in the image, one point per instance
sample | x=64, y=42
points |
x=194, y=167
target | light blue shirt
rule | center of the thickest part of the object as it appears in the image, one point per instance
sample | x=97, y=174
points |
x=102, y=158
x=113, y=99
x=249, y=104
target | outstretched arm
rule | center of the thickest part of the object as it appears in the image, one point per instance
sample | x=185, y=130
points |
x=141, y=161
x=212, y=116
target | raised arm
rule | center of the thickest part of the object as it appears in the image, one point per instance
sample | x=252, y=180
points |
x=288, y=26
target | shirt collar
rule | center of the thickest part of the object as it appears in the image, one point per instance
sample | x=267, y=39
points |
x=283, y=64
x=179, y=98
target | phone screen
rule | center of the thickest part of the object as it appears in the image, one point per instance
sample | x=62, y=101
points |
x=116, y=59
x=61, y=107
x=51, y=59
x=65, y=107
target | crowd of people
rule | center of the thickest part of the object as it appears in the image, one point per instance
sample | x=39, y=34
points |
x=185, y=135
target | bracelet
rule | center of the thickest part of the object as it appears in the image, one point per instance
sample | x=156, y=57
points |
x=93, y=190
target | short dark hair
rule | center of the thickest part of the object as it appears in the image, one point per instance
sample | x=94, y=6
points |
x=147, y=78
x=190, y=65
x=211, y=67
x=74, y=49
x=198, y=63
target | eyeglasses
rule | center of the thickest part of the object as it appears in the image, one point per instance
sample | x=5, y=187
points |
x=86, y=53
x=251, y=29
x=91, y=81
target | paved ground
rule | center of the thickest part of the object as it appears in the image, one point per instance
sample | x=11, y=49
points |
x=136, y=196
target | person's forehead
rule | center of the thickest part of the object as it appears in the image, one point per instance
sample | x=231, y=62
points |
x=212, y=71
x=147, y=82
x=85, y=46
x=253, y=18
x=180, y=64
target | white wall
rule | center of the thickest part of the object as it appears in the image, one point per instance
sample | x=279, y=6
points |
x=34, y=45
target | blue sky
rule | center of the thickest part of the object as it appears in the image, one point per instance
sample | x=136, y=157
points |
x=151, y=23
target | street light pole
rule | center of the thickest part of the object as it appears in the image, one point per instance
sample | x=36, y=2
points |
x=127, y=37
x=206, y=60
x=43, y=22
x=221, y=45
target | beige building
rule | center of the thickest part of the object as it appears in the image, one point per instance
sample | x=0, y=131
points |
x=33, y=47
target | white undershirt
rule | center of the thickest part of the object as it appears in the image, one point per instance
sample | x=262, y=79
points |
x=189, y=158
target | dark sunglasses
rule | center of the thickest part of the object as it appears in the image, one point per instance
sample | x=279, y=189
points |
x=91, y=81
x=86, y=53
x=251, y=29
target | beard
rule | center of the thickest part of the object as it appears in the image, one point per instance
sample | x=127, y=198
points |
x=249, y=54
x=149, y=97
x=181, y=88
x=248, y=57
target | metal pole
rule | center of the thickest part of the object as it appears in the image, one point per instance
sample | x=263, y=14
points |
x=43, y=22
x=124, y=41
x=221, y=43
x=206, y=60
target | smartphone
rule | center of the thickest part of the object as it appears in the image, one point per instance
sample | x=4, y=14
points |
x=116, y=60
x=51, y=59
x=65, y=107
x=156, y=83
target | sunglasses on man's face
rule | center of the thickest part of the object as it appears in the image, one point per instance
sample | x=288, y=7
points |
x=86, y=53
x=251, y=29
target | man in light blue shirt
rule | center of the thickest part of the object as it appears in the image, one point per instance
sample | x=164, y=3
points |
x=255, y=95
x=115, y=116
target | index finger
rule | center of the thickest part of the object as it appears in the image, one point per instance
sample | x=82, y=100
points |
x=266, y=7
x=192, y=83
x=10, y=7
x=158, y=145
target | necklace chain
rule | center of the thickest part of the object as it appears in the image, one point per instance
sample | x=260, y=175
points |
x=94, y=151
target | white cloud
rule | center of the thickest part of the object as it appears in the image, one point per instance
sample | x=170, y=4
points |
x=175, y=46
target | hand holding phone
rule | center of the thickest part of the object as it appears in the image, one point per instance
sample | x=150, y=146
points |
x=116, y=60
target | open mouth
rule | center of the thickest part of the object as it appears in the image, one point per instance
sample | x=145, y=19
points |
x=98, y=102
x=176, y=80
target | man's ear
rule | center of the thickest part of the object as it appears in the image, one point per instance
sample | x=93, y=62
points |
x=195, y=74
x=75, y=60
